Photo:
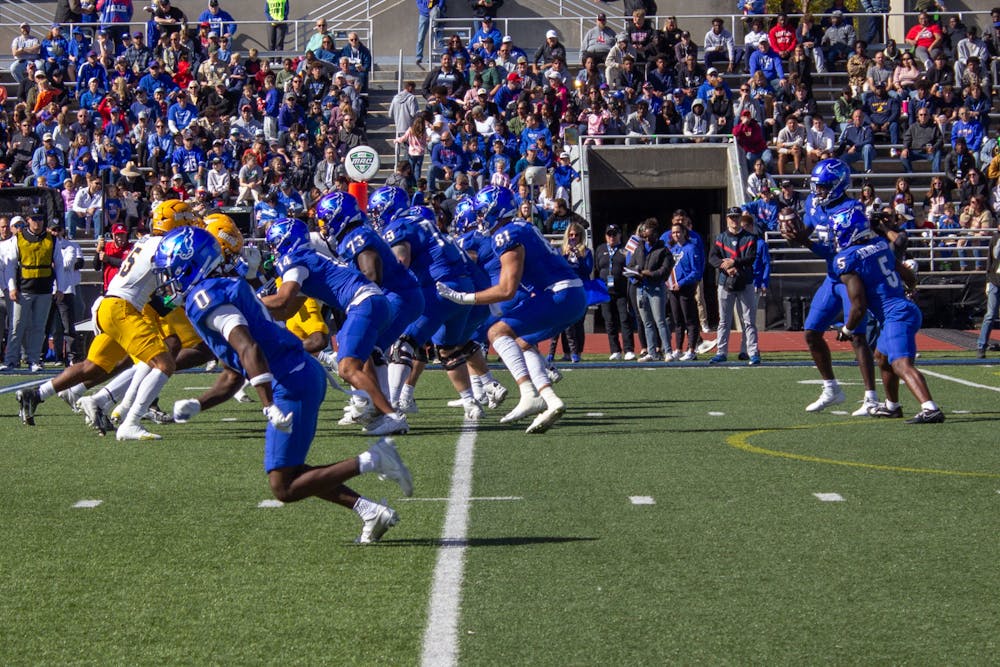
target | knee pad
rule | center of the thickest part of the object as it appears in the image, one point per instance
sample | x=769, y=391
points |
x=470, y=348
x=456, y=358
x=404, y=351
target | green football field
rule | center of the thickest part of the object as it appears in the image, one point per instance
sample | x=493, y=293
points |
x=674, y=516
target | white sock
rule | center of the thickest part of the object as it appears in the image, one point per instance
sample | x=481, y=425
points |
x=476, y=382
x=382, y=375
x=406, y=392
x=891, y=405
x=148, y=390
x=466, y=395
x=114, y=389
x=487, y=378
x=366, y=462
x=46, y=390
x=142, y=369
x=929, y=405
x=549, y=396
x=398, y=375
x=830, y=384
x=365, y=508
x=511, y=356
x=871, y=395
x=537, y=368
x=325, y=358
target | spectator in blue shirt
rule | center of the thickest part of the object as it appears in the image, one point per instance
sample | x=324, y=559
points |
x=767, y=61
x=446, y=160
x=969, y=129
x=189, y=161
x=181, y=113
x=764, y=210
x=219, y=20
x=564, y=175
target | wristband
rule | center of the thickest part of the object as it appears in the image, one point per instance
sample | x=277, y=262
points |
x=844, y=331
x=263, y=378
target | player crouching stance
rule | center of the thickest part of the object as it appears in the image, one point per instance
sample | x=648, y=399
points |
x=290, y=383
x=874, y=279
x=557, y=299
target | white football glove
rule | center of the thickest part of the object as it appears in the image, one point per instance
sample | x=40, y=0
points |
x=464, y=298
x=251, y=254
x=279, y=419
x=185, y=409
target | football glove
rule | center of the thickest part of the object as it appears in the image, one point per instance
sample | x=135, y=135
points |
x=464, y=298
x=279, y=419
x=185, y=409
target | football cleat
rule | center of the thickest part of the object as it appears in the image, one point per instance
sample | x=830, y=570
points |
x=526, y=407
x=71, y=399
x=28, y=400
x=118, y=414
x=868, y=407
x=375, y=527
x=390, y=424
x=554, y=374
x=135, y=432
x=882, y=411
x=94, y=415
x=496, y=394
x=407, y=405
x=456, y=403
x=927, y=417
x=388, y=465
x=473, y=410
x=545, y=420
x=826, y=399
x=158, y=416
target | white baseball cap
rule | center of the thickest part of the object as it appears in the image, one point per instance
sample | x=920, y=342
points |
x=551, y=34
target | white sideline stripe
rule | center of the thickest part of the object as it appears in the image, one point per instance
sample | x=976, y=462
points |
x=474, y=498
x=830, y=497
x=196, y=388
x=270, y=502
x=820, y=381
x=595, y=414
x=838, y=412
x=958, y=380
x=441, y=634
x=87, y=504
x=229, y=419
x=716, y=414
x=642, y=500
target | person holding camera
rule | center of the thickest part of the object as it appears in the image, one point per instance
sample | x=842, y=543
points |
x=733, y=255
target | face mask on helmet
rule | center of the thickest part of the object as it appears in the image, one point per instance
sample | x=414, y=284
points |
x=829, y=180
x=494, y=205
x=336, y=211
x=228, y=236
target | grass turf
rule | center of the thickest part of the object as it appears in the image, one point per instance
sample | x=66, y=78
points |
x=737, y=561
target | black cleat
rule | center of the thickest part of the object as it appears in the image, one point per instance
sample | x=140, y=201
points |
x=883, y=412
x=926, y=417
x=158, y=416
x=28, y=400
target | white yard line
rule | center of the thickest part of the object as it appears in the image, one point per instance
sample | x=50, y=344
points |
x=472, y=499
x=923, y=369
x=830, y=497
x=642, y=500
x=441, y=634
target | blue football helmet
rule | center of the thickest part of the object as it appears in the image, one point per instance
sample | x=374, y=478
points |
x=184, y=257
x=420, y=212
x=829, y=180
x=335, y=211
x=286, y=234
x=384, y=204
x=466, y=218
x=849, y=227
x=494, y=204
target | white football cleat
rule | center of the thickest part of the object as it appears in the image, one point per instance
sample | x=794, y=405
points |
x=554, y=374
x=71, y=399
x=94, y=415
x=390, y=424
x=526, y=407
x=135, y=432
x=118, y=414
x=241, y=395
x=868, y=406
x=496, y=394
x=456, y=403
x=551, y=415
x=407, y=405
x=375, y=527
x=388, y=465
x=826, y=399
x=473, y=410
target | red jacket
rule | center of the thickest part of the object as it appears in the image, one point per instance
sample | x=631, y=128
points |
x=782, y=40
x=750, y=136
x=113, y=256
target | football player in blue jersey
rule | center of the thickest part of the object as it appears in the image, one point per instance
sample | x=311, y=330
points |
x=385, y=204
x=290, y=383
x=433, y=257
x=343, y=225
x=877, y=281
x=307, y=273
x=828, y=202
x=557, y=299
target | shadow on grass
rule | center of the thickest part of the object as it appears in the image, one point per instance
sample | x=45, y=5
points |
x=485, y=541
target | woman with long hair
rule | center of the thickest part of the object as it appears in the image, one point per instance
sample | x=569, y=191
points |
x=580, y=257
x=415, y=140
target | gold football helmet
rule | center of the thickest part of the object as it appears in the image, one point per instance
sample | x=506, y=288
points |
x=225, y=231
x=170, y=214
